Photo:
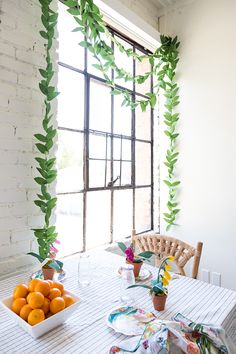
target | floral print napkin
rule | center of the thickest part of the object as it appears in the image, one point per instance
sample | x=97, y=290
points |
x=177, y=337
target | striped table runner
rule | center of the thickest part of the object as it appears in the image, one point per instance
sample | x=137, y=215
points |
x=86, y=331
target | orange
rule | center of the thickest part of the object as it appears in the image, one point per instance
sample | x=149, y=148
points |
x=28, y=297
x=36, y=316
x=69, y=300
x=46, y=306
x=43, y=287
x=50, y=282
x=32, y=284
x=57, y=305
x=20, y=290
x=25, y=311
x=18, y=304
x=36, y=300
x=58, y=285
x=54, y=292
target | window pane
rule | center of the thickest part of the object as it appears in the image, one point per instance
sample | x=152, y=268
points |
x=97, y=146
x=143, y=124
x=70, y=223
x=100, y=106
x=142, y=68
x=69, y=50
x=69, y=161
x=97, y=174
x=98, y=218
x=125, y=154
x=123, y=213
x=125, y=177
x=124, y=62
x=122, y=117
x=143, y=163
x=142, y=209
x=71, y=99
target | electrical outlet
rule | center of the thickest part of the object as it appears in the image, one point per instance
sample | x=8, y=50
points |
x=206, y=275
x=216, y=278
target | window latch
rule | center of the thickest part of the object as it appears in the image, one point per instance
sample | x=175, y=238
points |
x=110, y=184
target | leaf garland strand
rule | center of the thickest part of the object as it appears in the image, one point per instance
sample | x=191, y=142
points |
x=46, y=235
x=166, y=75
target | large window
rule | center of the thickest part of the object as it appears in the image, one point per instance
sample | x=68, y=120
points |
x=105, y=150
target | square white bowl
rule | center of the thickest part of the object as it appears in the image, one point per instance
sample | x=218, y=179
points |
x=46, y=325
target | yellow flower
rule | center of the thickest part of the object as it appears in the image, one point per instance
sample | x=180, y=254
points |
x=165, y=281
x=166, y=275
x=171, y=258
x=167, y=267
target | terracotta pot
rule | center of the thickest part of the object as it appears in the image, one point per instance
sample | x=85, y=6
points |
x=159, y=302
x=48, y=273
x=137, y=267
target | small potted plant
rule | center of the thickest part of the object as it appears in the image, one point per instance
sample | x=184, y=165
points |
x=135, y=260
x=159, y=290
x=48, y=262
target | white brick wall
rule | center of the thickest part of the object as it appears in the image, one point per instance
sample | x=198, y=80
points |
x=21, y=107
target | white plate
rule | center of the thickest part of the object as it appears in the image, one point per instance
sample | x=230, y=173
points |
x=144, y=274
x=129, y=321
x=46, y=325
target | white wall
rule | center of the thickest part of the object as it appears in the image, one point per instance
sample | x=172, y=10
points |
x=207, y=164
x=145, y=9
x=21, y=109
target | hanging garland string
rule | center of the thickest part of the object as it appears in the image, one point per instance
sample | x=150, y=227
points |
x=166, y=75
x=47, y=235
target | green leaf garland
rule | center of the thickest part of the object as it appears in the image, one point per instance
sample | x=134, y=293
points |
x=46, y=236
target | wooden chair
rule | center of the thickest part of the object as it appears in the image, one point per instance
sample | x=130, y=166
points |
x=164, y=246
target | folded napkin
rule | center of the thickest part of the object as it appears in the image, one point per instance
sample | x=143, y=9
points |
x=177, y=337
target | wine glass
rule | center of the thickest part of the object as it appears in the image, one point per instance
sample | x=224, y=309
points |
x=84, y=270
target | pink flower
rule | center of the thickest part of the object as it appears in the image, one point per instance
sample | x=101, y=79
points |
x=53, y=249
x=129, y=254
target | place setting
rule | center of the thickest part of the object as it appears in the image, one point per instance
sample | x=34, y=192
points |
x=146, y=333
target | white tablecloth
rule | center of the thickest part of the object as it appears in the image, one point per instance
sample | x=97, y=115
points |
x=86, y=331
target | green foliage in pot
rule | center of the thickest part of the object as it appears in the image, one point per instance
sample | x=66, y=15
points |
x=159, y=286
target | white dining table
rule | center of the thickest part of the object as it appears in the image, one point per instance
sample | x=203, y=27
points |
x=86, y=331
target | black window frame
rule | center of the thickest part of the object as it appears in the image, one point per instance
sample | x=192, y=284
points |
x=86, y=132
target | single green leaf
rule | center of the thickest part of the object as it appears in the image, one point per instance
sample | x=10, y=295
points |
x=74, y=12
x=146, y=254
x=42, y=148
x=36, y=256
x=40, y=137
x=141, y=286
x=44, y=34
x=40, y=180
x=122, y=246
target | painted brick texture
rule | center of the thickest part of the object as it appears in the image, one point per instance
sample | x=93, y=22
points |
x=21, y=109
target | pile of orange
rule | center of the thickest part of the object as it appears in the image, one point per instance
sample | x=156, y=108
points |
x=39, y=299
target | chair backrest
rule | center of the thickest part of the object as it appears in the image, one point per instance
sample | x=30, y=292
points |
x=164, y=246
